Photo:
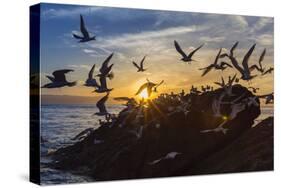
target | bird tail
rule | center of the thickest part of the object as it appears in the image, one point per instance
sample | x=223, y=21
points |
x=110, y=75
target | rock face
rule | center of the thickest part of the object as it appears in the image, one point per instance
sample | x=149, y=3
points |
x=166, y=139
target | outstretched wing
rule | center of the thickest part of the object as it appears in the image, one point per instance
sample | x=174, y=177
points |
x=178, y=48
x=83, y=28
x=136, y=65
x=246, y=59
x=141, y=63
x=192, y=53
x=233, y=48
x=90, y=75
x=207, y=69
x=104, y=66
x=60, y=74
x=76, y=36
x=100, y=103
x=262, y=57
x=142, y=87
x=224, y=63
x=103, y=82
x=52, y=79
x=217, y=57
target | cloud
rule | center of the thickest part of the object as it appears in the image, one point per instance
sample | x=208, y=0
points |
x=68, y=12
x=81, y=66
x=212, y=39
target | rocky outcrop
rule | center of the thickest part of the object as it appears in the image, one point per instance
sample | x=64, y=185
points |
x=168, y=138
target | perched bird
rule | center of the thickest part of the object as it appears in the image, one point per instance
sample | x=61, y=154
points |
x=59, y=79
x=105, y=69
x=140, y=67
x=268, y=71
x=185, y=57
x=91, y=82
x=259, y=67
x=86, y=36
x=254, y=89
x=244, y=70
x=101, y=106
x=215, y=65
x=170, y=155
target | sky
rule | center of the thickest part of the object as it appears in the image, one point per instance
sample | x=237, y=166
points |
x=132, y=33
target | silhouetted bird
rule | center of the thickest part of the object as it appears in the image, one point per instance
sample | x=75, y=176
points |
x=185, y=57
x=155, y=87
x=59, y=79
x=86, y=36
x=268, y=71
x=91, y=82
x=259, y=67
x=148, y=85
x=102, y=88
x=101, y=106
x=105, y=69
x=268, y=98
x=244, y=70
x=215, y=65
x=140, y=67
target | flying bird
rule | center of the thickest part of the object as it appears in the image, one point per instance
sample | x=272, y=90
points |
x=185, y=57
x=244, y=70
x=259, y=67
x=155, y=88
x=101, y=106
x=102, y=88
x=140, y=67
x=148, y=85
x=58, y=79
x=215, y=65
x=268, y=98
x=91, y=82
x=105, y=68
x=85, y=34
x=254, y=89
x=268, y=71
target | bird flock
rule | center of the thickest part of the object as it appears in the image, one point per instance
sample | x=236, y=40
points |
x=221, y=62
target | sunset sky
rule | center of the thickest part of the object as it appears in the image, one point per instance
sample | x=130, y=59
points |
x=133, y=33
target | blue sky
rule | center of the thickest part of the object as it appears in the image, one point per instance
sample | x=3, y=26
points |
x=133, y=33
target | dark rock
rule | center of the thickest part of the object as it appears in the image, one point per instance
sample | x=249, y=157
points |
x=123, y=156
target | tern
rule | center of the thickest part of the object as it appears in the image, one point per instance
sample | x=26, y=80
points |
x=268, y=71
x=101, y=106
x=259, y=67
x=140, y=67
x=91, y=82
x=105, y=69
x=244, y=70
x=59, y=79
x=185, y=57
x=268, y=98
x=215, y=65
x=148, y=85
x=86, y=36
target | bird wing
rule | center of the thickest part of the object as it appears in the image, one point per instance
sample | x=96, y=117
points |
x=224, y=63
x=60, y=75
x=235, y=64
x=262, y=57
x=207, y=69
x=230, y=82
x=192, y=53
x=83, y=28
x=253, y=67
x=233, y=48
x=77, y=36
x=246, y=59
x=100, y=103
x=217, y=57
x=142, y=87
x=141, y=63
x=90, y=75
x=104, y=66
x=103, y=82
x=178, y=48
x=52, y=79
x=136, y=65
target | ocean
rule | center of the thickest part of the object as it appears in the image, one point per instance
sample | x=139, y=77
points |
x=61, y=123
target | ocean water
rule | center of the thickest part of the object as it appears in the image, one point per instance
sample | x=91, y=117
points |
x=60, y=123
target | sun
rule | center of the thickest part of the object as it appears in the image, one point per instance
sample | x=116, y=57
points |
x=144, y=94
